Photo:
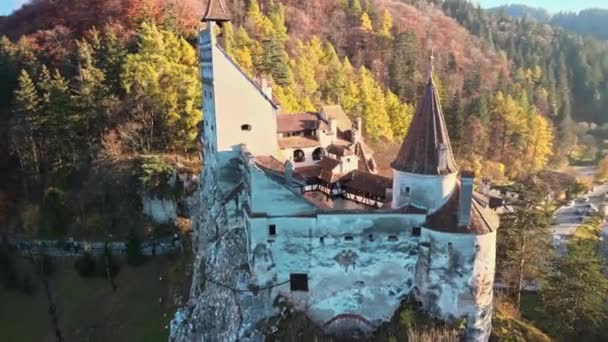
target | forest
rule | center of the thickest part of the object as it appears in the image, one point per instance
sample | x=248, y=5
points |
x=100, y=96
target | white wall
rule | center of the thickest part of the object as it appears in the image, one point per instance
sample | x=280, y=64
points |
x=455, y=278
x=427, y=191
x=349, y=163
x=359, y=276
x=230, y=101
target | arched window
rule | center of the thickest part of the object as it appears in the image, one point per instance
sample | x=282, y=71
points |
x=318, y=154
x=299, y=156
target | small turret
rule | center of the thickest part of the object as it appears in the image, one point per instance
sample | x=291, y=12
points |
x=216, y=12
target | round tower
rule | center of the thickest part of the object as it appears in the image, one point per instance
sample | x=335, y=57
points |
x=425, y=172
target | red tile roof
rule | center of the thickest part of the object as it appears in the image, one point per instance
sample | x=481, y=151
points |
x=298, y=142
x=328, y=164
x=367, y=182
x=420, y=149
x=297, y=122
x=339, y=151
x=483, y=219
x=215, y=11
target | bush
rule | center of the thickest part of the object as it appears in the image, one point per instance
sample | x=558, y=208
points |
x=134, y=254
x=8, y=268
x=48, y=266
x=85, y=266
x=27, y=285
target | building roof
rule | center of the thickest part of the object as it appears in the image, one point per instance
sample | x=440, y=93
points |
x=339, y=151
x=483, y=219
x=297, y=142
x=335, y=112
x=366, y=162
x=297, y=122
x=329, y=164
x=419, y=152
x=215, y=11
x=367, y=183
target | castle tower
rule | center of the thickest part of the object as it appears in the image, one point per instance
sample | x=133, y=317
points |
x=237, y=111
x=215, y=13
x=424, y=171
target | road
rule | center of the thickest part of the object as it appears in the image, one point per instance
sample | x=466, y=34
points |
x=566, y=218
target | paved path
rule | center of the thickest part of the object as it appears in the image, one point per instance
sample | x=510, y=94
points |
x=64, y=248
x=567, y=218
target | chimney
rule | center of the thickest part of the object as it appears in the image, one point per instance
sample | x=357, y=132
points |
x=265, y=88
x=465, y=200
x=357, y=130
x=442, y=156
x=288, y=172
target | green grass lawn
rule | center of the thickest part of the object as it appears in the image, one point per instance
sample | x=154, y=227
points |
x=88, y=308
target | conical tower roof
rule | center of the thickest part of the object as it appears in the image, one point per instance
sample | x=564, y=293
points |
x=215, y=11
x=426, y=149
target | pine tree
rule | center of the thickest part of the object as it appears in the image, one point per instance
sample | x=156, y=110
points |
x=275, y=61
x=576, y=291
x=26, y=125
x=366, y=23
x=403, y=65
x=386, y=25
x=455, y=122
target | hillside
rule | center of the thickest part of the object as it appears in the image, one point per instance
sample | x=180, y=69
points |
x=591, y=22
x=518, y=11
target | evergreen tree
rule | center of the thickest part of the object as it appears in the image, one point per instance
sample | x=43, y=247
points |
x=164, y=74
x=386, y=25
x=575, y=292
x=402, y=68
x=366, y=23
x=524, y=241
x=276, y=62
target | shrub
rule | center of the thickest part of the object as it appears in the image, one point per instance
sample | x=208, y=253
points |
x=85, y=266
x=8, y=268
x=134, y=254
x=27, y=285
x=48, y=266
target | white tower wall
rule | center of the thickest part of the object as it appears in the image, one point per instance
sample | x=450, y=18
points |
x=427, y=191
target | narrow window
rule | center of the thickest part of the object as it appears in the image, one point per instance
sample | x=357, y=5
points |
x=298, y=281
x=322, y=239
x=416, y=231
x=246, y=127
x=272, y=230
x=371, y=237
x=408, y=190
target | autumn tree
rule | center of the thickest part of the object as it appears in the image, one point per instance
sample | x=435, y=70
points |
x=163, y=74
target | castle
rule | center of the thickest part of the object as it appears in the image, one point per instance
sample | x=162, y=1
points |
x=316, y=225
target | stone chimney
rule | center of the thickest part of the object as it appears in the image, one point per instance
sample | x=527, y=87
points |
x=288, y=172
x=442, y=157
x=357, y=130
x=267, y=90
x=465, y=201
